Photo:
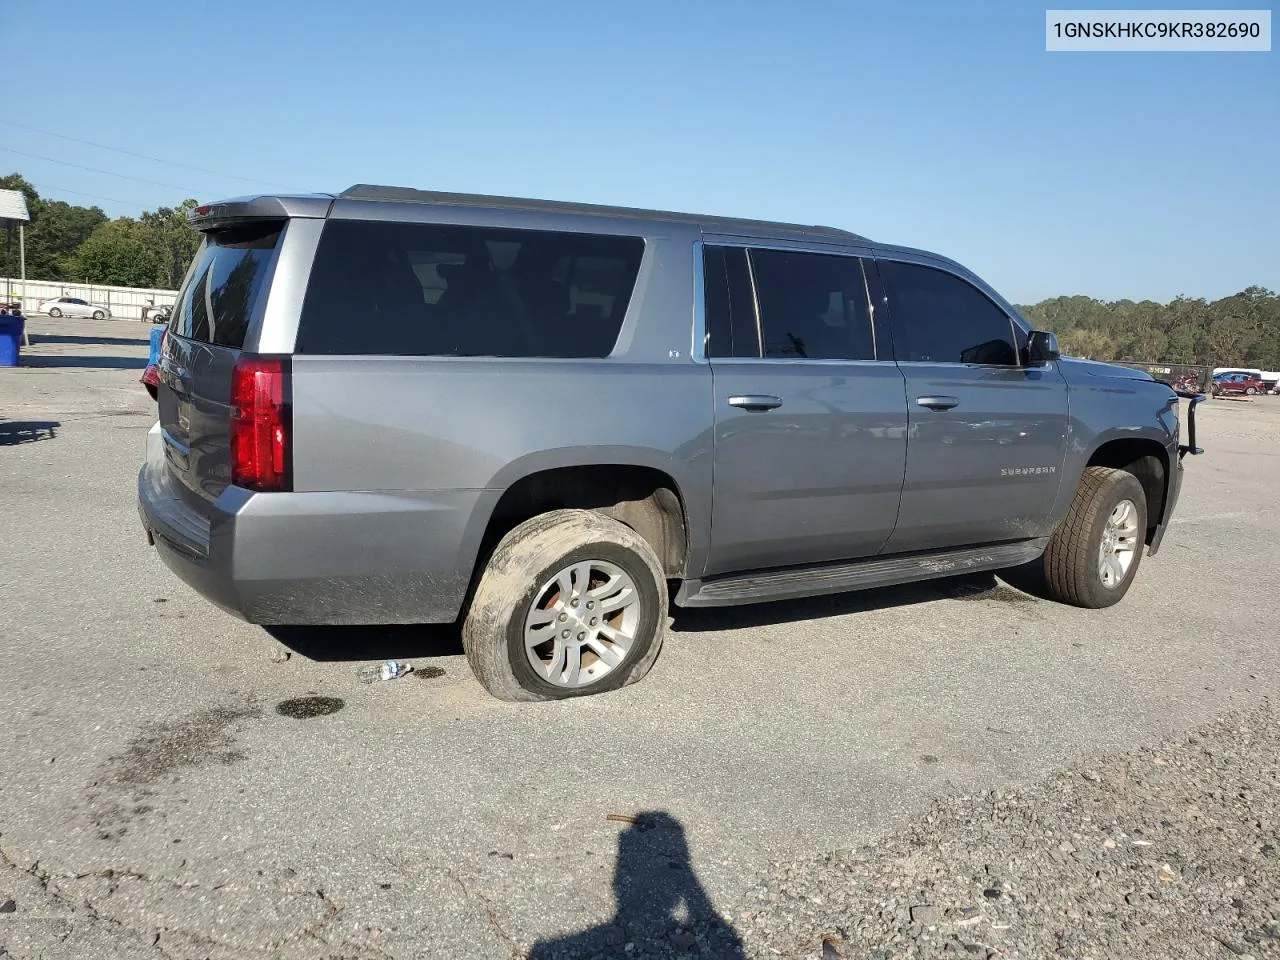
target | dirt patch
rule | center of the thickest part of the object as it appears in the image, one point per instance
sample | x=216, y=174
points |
x=998, y=592
x=198, y=738
x=124, y=791
x=304, y=708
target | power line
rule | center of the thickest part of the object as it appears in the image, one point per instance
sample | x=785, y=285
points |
x=91, y=196
x=122, y=176
x=141, y=156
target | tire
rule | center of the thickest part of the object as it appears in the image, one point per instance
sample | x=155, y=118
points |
x=99, y=315
x=55, y=312
x=1249, y=391
x=521, y=578
x=1072, y=562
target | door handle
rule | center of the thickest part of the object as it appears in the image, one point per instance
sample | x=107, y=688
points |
x=756, y=401
x=938, y=403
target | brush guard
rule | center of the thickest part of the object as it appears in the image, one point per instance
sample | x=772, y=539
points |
x=1195, y=399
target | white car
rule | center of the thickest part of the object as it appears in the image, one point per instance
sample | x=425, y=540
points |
x=73, y=307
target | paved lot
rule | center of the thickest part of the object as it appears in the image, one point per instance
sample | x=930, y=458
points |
x=154, y=803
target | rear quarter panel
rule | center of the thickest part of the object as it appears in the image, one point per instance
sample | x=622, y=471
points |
x=434, y=424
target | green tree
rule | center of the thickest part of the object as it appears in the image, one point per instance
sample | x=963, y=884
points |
x=52, y=237
x=9, y=253
x=1243, y=328
x=56, y=233
x=121, y=253
x=1181, y=344
x=174, y=240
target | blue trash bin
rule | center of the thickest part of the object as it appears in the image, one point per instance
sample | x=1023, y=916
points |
x=157, y=337
x=11, y=328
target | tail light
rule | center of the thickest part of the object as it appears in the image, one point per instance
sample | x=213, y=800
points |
x=151, y=380
x=260, y=415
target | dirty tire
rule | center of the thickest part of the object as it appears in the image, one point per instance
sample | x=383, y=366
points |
x=493, y=631
x=1070, y=563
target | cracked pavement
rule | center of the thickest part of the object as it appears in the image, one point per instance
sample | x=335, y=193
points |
x=154, y=804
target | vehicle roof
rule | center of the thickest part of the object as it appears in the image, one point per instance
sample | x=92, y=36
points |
x=317, y=205
x=366, y=191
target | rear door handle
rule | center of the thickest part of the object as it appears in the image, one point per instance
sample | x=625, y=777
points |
x=938, y=403
x=756, y=401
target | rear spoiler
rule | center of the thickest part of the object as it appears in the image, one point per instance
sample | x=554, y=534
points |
x=1195, y=399
x=209, y=216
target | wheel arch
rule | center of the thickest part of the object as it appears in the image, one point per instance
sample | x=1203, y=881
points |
x=647, y=493
x=1148, y=459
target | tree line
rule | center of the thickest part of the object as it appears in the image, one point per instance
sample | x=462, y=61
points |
x=1242, y=329
x=80, y=244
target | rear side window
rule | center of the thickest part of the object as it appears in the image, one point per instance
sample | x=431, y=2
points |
x=730, y=304
x=442, y=290
x=940, y=318
x=223, y=286
x=812, y=305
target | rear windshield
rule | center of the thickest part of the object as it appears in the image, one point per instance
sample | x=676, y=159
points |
x=415, y=289
x=229, y=274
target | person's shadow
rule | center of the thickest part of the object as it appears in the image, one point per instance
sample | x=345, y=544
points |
x=661, y=906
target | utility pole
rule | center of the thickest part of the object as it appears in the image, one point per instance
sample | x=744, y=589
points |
x=13, y=206
x=22, y=282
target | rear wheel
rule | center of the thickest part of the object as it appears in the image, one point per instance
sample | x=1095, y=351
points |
x=571, y=603
x=1094, y=554
x=55, y=312
x=1249, y=391
x=99, y=315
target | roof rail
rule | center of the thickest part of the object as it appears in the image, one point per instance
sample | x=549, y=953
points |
x=366, y=191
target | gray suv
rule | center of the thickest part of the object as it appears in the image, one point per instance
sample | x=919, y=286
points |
x=545, y=419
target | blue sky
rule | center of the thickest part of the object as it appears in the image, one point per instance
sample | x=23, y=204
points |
x=940, y=125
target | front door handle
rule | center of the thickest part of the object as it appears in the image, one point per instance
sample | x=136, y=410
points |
x=938, y=403
x=756, y=401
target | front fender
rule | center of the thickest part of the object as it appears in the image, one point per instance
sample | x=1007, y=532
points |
x=1111, y=411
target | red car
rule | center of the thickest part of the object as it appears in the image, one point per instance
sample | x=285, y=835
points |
x=1246, y=383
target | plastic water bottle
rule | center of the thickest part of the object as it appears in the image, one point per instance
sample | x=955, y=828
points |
x=383, y=671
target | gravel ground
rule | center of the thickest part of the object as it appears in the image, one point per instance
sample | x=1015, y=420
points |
x=1168, y=851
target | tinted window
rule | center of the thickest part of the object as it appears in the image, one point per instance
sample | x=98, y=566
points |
x=731, y=311
x=223, y=286
x=940, y=318
x=719, y=334
x=438, y=290
x=812, y=305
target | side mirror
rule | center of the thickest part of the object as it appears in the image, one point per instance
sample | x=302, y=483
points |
x=1042, y=348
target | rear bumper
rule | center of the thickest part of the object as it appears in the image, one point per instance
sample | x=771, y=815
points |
x=316, y=558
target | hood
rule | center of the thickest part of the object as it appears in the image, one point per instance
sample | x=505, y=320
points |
x=1074, y=367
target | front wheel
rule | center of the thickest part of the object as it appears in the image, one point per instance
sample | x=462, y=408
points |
x=1094, y=554
x=55, y=312
x=571, y=603
x=99, y=315
x=1249, y=391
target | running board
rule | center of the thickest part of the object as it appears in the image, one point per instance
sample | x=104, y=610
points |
x=856, y=575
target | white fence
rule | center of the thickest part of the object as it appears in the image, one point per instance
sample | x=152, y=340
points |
x=125, y=303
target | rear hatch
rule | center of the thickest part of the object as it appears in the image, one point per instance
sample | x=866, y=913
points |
x=220, y=301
